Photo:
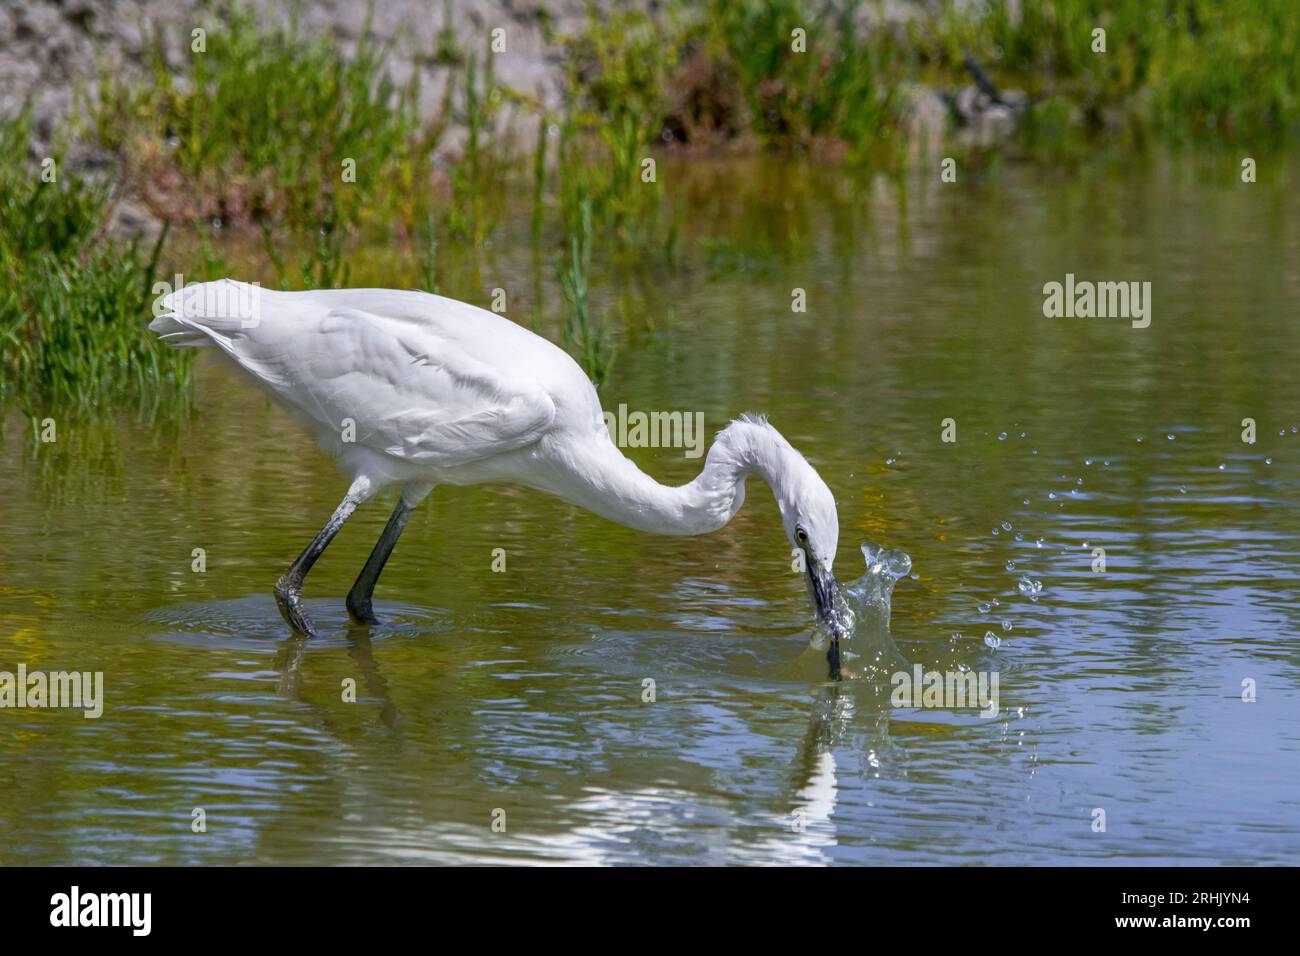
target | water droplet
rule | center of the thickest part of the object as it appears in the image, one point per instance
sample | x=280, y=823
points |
x=1006, y=526
x=1025, y=502
x=984, y=608
x=1268, y=461
x=1170, y=436
x=1011, y=565
x=1006, y=625
x=1051, y=496
x=956, y=636
x=1002, y=437
x=1030, y=588
x=1221, y=467
x=1139, y=439
x=1039, y=543
x=991, y=639
x=995, y=530
x=1019, y=536
x=1088, y=461
x=1182, y=490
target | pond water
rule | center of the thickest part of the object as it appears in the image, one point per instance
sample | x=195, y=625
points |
x=519, y=697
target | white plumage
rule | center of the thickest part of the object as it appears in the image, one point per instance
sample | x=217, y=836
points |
x=434, y=391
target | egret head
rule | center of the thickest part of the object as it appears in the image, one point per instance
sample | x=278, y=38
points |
x=812, y=525
x=808, y=512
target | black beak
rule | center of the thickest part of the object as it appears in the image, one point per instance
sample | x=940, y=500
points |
x=824, y=589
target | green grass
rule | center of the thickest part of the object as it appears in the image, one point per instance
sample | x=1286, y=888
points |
x=1179, y=70
x=256, y=132
x=1185, y=69
x=73, y=302
x=830, y=84
x=265, y=124
x=482, y=179
x=585, y=336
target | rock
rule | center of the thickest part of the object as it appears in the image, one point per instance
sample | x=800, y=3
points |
x=129, y=219
x=47, y=47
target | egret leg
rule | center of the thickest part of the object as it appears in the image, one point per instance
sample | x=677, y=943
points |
x=359, y=598
x=288, y=590
x=359, y=606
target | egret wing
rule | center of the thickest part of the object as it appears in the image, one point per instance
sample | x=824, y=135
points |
x=405, y=386
x=419, y=396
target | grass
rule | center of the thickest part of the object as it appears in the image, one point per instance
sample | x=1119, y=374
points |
x=829, y=84
x=72, y=300
x=277, y=134
x=1181, y=70
x=480, y=181
x=586, y=338
x=265, y=124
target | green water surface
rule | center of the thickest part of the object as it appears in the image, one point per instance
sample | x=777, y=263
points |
x=519, y=696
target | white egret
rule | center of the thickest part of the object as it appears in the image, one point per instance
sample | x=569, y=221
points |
x=441, y=392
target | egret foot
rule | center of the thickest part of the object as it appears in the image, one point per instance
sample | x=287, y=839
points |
x=360, y=609
x=288, y=597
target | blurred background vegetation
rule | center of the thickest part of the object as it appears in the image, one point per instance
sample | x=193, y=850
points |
x=240, y=155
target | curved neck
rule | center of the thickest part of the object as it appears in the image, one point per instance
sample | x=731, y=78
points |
x=603, y=480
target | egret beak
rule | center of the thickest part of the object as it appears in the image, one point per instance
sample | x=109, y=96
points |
x=824, y=590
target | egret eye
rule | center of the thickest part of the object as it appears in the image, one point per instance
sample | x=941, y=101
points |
x=801, y=536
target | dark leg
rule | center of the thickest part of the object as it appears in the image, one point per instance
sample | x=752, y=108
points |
x=359, y=606
x=833, y=657
x=288, y=590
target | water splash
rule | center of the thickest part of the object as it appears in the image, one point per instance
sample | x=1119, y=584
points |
x=870, y=594
x=864, y=611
